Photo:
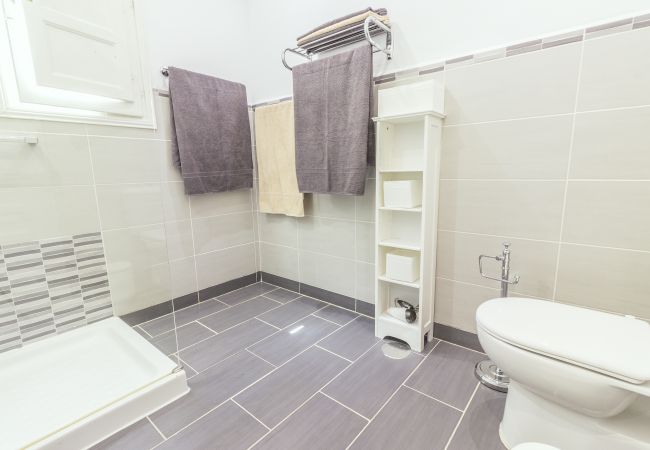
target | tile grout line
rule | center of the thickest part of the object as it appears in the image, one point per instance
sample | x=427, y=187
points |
x=460, y=419
x=157, y=429
x=249, y=413
x=327, y=320
x=345, y=406
x=263, y=321
x=432, y=398
x=333, y=353
x=568, y=171
x=255, y=354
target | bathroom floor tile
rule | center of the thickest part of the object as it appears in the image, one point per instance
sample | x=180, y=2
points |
x=319, y=423
x=447, y=374
x=210, y=388
x=139, y=435
x=158, y=326
x=371, y=380
x=228, y=427
x=292, y=311
x=336, y=314
x=353, y=339
x=276, y=396
x=282, y=295
x=188, y=335
x=237, y=314
x=409, y=420
x=287, y=343
x=219, y=347
x=246, y=293
x=479, y=428
x=194, y=312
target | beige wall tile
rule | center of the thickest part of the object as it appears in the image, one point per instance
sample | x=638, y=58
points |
x=365, y=204
x=526, y=209
x=224, y=265
x=328, y=236
x=179, y=239
x=136, y=288
x=456, y=303
x=327, y=272
x=278, y=229
x=365, y=242
x=530, y=148
x=332, y=206
x=183, y=277
x=533, y=84
x=38, y=213
x=533, y=261
x=42, y=126
x=176, y=204
x=122, y=132
x=128, y=205
x=213, y=204
x=279, y=260
x=219, y=232
x=615, y=71
x=56, y=160
x=612, y=145
x=364, y=283
x=126, y=160
x=135, y=247
x=608, y=213
x=608, y=279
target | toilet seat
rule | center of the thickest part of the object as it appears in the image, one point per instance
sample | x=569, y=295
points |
x=595, y=340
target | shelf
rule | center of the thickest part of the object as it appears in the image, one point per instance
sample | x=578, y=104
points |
x=403, y=118
x=414, y=284
x=398, y=170
x=400, y=244
x=414, y=210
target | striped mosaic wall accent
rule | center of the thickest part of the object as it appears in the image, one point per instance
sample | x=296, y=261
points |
x=51, y=286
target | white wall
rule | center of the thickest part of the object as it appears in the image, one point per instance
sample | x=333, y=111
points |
x=425, y=31
x=208, y=36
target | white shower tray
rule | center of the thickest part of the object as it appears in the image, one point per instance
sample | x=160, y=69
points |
x=74, y=389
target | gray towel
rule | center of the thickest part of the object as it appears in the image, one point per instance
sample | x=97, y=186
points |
x=332, y=98
x=211, y=138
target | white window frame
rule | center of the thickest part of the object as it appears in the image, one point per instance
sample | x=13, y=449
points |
x=12, y=107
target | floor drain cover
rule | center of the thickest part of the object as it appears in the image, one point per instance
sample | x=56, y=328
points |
x=395, y=349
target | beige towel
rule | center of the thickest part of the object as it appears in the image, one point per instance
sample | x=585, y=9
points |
x=276, y=160
x=359, y=18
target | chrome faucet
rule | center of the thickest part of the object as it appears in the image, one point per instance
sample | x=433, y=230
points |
x=504, y=258
x=487, y=372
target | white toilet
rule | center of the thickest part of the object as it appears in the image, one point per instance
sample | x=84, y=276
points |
x=580, y=379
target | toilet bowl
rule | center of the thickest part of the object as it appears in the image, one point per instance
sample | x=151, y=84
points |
x=580, y=379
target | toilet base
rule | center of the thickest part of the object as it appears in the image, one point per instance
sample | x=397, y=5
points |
x=531, y=418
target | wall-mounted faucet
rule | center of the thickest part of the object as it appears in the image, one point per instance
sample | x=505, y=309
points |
x=487, y=371
x=504, y=258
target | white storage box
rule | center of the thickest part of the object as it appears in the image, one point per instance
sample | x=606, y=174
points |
x=402, y=266
x=411, y=98
x=403, y=193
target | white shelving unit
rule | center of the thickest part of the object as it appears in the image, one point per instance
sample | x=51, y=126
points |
x=408, y=148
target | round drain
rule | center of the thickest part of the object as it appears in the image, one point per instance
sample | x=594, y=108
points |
x=395, y=349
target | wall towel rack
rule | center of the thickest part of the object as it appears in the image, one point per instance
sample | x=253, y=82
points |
x=370, y=27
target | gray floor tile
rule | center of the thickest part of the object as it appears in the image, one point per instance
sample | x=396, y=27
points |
x=287, y=343
x=447, y=374
x=158, y=326
x=319, y=424
x=140, y=435
x=246, y=293
x=187, y=335
x=209, y=388
x=219, y=347
x=276, y=396
x=336, y=314
x=371, y=380
x=479, y=429
x=239, y=313
x=282, y=295
x=292, y=311
x=227, y=427
x=409, y=420
x=353, y=339
x=195, y=312
x=189, y=372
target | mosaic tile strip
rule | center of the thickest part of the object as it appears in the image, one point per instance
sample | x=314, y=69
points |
x=51, y=286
